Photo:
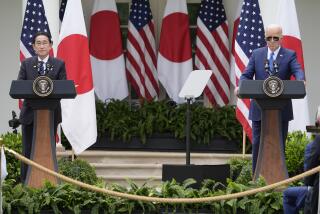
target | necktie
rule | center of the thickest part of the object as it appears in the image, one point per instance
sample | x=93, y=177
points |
x=271, y=60
x=41, y=68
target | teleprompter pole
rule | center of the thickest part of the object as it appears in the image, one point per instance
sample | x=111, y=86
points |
x=188, y=127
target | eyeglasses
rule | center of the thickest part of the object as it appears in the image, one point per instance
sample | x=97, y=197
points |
x=273, y=38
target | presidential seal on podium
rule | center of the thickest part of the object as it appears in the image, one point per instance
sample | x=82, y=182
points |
x=273, y=86
x=42, y=86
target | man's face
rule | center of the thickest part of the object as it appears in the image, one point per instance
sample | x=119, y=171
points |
x=273, y=37
x=42, y=46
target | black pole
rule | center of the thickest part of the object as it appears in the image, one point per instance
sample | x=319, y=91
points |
x=188, y=124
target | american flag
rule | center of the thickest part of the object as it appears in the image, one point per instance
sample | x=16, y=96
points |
x=212, y=50
x=62, y=9
x=34, y=20
x=141, y=64
x=249, y=36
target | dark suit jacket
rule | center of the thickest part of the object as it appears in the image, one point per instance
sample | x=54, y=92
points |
x=312, y=159
x=288, y=65
x=29, y=71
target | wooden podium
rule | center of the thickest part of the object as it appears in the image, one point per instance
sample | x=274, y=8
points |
x=271, y=159
x=43, y=143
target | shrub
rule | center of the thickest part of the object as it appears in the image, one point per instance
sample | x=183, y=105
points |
x=14, y=142
x=241, y=170
x=78, y=169
x=294, y=153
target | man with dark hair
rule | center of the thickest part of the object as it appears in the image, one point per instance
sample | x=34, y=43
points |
x=30, y=69
x=40, y=33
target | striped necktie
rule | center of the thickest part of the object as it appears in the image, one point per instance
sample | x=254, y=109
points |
x=41, y=68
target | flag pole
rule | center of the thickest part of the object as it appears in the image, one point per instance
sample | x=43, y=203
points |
x=72, y=155
x=243, y=143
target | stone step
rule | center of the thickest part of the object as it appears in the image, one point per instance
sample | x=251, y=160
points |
x=128, y=169
x=141, y=167
x=130, y=157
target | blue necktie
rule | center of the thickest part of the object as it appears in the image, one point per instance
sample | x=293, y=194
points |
x=41, y=68
x=271, y=60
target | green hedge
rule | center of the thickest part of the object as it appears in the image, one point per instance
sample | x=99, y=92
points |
x=120, y=120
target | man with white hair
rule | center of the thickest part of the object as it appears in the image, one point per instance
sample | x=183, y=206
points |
x=271, y=60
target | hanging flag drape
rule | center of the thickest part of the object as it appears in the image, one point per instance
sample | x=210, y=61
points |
x=4, y=171
x=79, y=114
x=174, y=57
x=141, y=64
x=106, y=52
x=288, y=19
x=212, y=50
x=249, y=36
x=233, y=66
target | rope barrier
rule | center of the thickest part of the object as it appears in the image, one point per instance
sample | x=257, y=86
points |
x=165, y=200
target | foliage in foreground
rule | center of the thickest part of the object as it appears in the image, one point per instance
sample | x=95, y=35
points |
x=74, y=199
x=68, y=197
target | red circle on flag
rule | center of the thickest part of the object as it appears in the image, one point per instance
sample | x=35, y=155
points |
x=175, y=38
x=74, y=50
x=105, y=36
x=294, y=44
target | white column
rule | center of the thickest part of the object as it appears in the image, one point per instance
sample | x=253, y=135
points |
x=24, y=4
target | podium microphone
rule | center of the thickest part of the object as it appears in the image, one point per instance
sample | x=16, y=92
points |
x=275, y=67
x=266, y=66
